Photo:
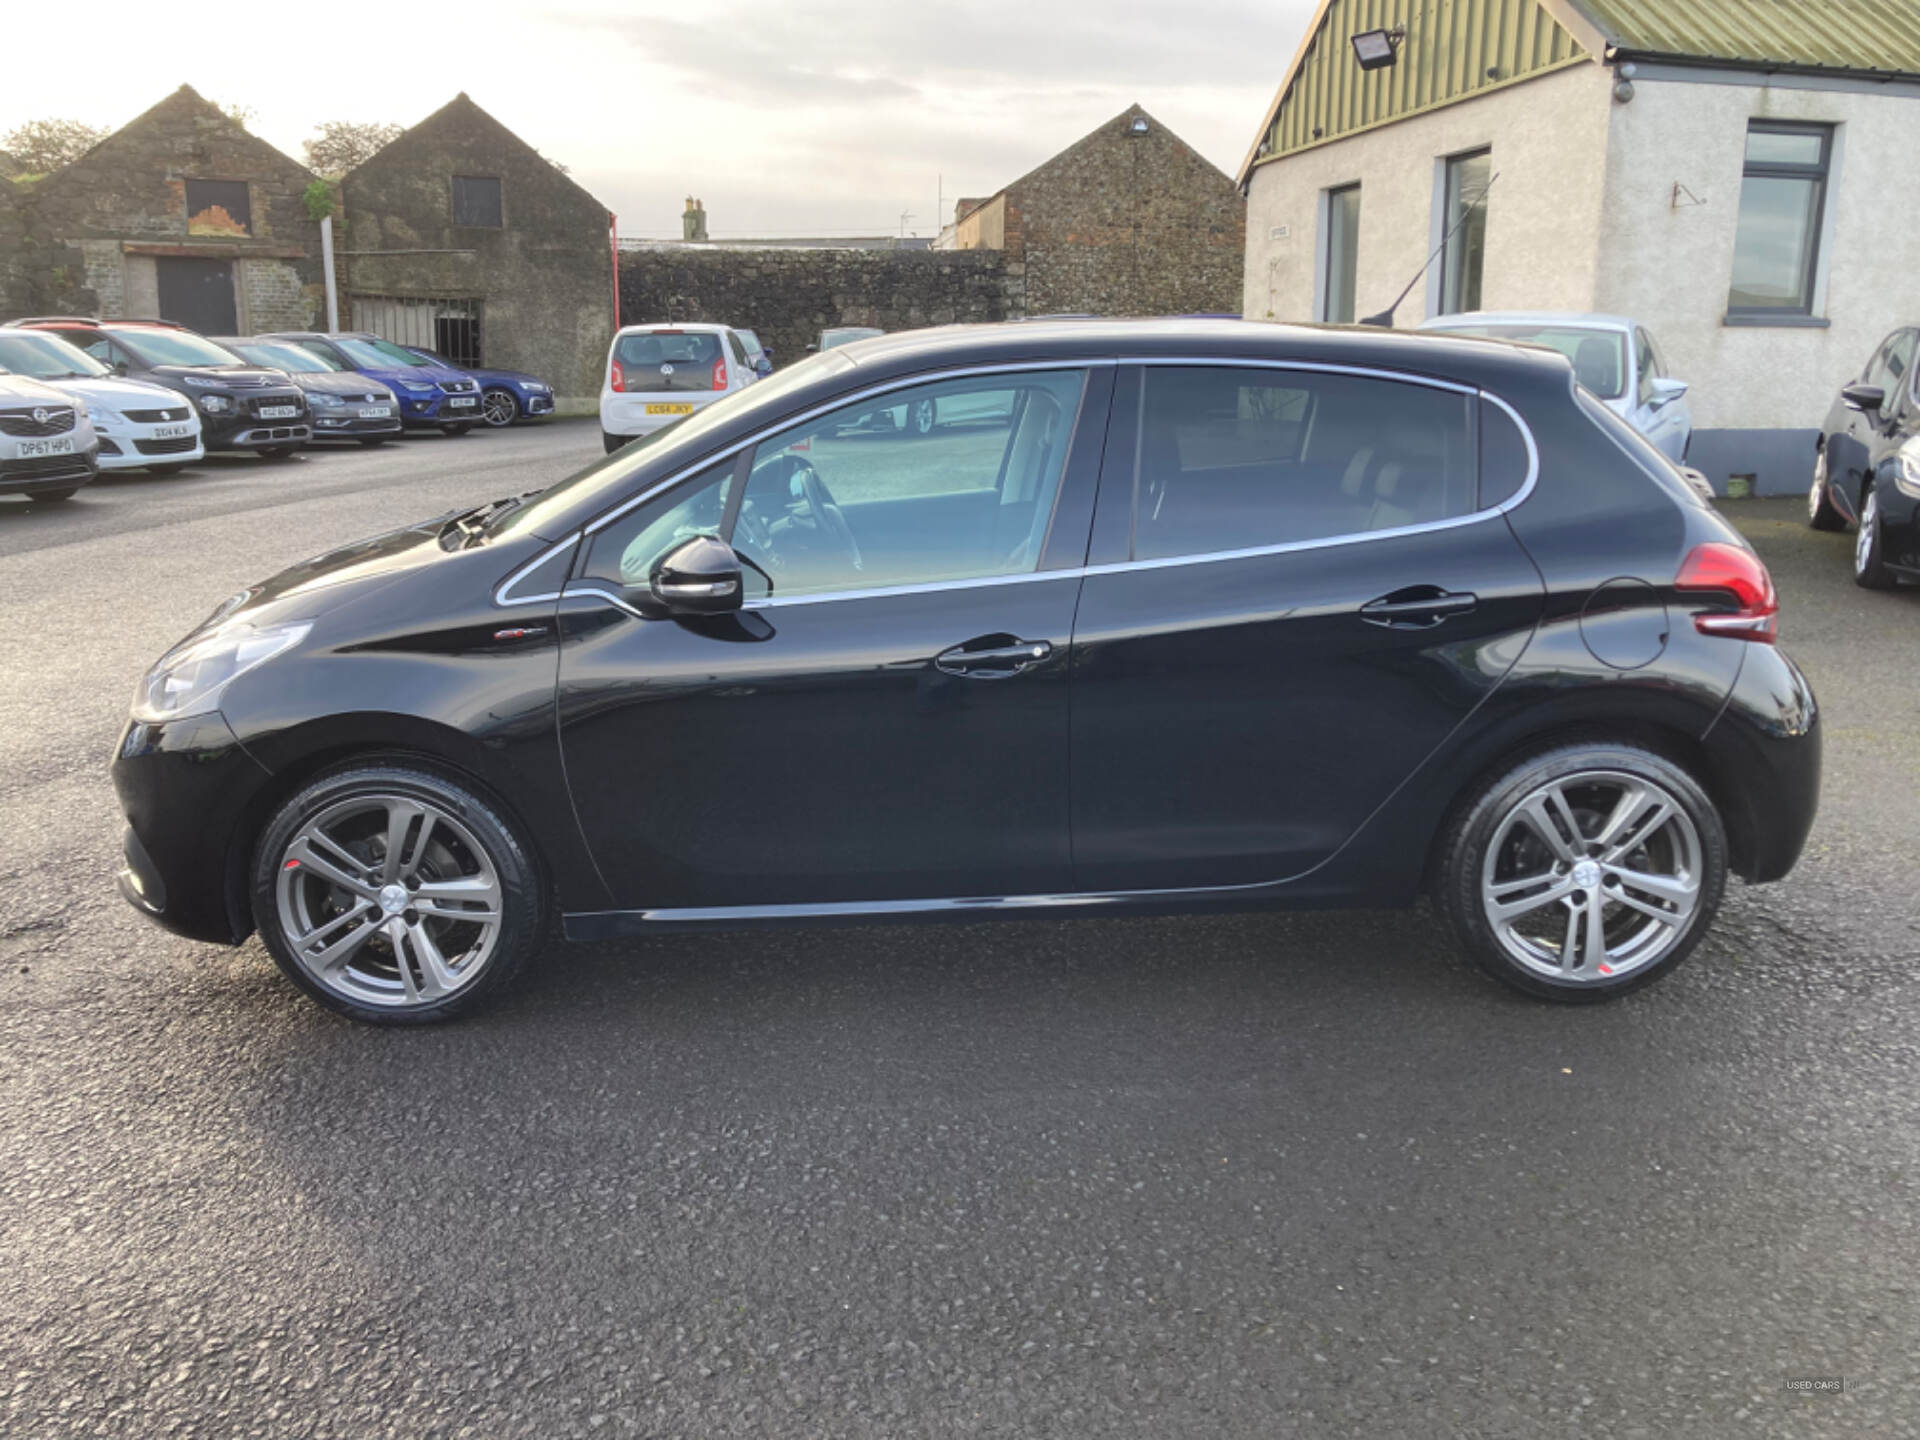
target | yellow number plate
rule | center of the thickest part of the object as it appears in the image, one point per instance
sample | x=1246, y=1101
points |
x=669, y=409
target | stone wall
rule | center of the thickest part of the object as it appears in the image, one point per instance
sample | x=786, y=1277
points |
x=543, y=278
x=787, y=297
x=1128, y=222
x=99, y=222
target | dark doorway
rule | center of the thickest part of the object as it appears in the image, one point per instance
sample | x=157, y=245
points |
x=198, y=294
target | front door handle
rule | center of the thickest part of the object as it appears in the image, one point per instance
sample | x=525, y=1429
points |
x=1417, y=607
x=995, y=663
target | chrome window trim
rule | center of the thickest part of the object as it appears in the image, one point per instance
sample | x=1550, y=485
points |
x=503, y=597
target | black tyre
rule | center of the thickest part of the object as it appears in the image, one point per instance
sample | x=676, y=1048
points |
x=1820, y=512
x=1584, y=872
x=52, y=497
x=613, y=442
x=279, y=452
x=394, y=894
x=455, y=431
x=1869, y=548
x=371, y=440
x=498, y=407
x=165, y=469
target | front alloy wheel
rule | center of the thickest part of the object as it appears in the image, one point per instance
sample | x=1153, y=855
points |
x=498, y=408
x=1869, y=564
x=1586, y=872
x=1821, y=514
x=393, y=895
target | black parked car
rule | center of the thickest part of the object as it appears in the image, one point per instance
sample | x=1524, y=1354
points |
x=242, y=407
x=1867, y=468
x=1225, y=615
x=345, y=404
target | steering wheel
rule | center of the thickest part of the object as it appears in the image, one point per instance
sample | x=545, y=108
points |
x=827, y=511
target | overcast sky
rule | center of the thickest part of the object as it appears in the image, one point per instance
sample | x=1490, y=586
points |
x=784, y=116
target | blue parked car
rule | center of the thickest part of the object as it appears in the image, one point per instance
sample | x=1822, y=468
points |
x=505, y=395
x=432, y=395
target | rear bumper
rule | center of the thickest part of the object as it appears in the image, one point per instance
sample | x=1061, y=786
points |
x=185, y=788
x=1765, y=753
x=627, y=414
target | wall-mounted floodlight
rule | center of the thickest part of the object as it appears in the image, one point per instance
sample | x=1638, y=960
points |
x=1377, y=49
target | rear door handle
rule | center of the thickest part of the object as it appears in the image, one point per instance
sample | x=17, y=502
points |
x=1417, y=607
x=996, y=663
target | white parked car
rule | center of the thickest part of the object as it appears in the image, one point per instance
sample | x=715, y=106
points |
x=140, y=425
x=1612, y=356
x=46, y=441
x=657, y=374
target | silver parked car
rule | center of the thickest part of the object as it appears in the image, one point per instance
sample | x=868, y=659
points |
x=1612, y=356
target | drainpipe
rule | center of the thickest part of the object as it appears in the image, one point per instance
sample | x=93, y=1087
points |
x=326, y=262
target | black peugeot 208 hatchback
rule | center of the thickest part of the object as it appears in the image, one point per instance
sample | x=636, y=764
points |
x=1161, y=615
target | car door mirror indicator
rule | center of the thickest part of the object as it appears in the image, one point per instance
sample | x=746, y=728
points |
x=701, y=576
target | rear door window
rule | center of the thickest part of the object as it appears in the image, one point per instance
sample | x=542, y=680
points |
x=667, y=359
x=1234, y=459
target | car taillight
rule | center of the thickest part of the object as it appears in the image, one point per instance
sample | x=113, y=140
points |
x=1738, y=575
x=617, y=379
x=720, y=374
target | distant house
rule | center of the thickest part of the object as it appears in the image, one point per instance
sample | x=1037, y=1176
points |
x=1721, y=170
x=181, y=215
x=462, y=237
x=1129, y=220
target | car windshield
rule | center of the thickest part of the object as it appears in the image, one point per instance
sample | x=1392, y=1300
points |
x=682, y=438
x=831, y=338
x=381, y=355
x=1599, y=356
x=750, y=340
x=285, y=355
x=171, y=347
x=46, y=357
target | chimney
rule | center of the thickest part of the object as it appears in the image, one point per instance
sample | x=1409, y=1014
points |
x=693, y=223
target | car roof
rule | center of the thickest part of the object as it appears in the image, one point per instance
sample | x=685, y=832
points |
x=1464, y=359
x=1573, y=319
x=702, y=327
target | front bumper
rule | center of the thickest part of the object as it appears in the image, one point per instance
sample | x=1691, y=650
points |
x=136, y=447
x=186, y=786
x=244, y=431
x=531, y=405
x=440, y=409
x=52, y=472
x=352, y=427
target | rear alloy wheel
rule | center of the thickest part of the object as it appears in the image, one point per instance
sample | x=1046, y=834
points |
x=1821, y=514
x=499, y=409
x=1869, y=561
x=1585, y=873
x=455, y=431
x=393, y=895
x=921, y=416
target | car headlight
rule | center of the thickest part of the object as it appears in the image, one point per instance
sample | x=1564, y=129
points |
x=1906, y=474
x=190, y=678
x=320, y=400
x=215, y=404
x=413, y=389
x=200, y=382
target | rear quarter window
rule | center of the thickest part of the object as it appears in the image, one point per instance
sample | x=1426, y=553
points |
x=1657, y=466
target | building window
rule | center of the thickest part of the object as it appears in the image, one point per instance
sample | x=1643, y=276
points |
x=1343, y=250
x=448, y=327
x=1463, y=249
x=218, y=207
x=1783, y=196
x=476, y=200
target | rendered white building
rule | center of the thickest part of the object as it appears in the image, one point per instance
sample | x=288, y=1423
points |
x=1734, y=174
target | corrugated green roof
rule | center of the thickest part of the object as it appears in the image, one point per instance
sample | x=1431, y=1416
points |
x=1869, y=36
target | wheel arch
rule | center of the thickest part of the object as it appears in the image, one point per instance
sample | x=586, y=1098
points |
x=321, y=746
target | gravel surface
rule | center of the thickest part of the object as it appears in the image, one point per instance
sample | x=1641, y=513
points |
x=1269, y=1176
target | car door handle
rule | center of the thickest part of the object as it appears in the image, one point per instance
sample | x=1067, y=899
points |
x=995, y=663
x=1417, y=607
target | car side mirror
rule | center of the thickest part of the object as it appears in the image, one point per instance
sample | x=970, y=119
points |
x=1867, y=399
x=1666, y=390
x=763, y=366
x=701, y=576
x=813, y=348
